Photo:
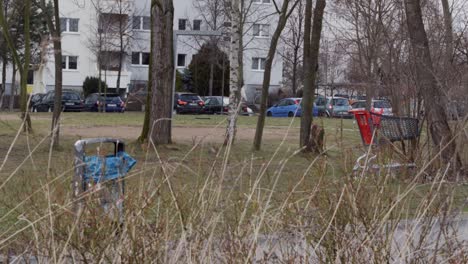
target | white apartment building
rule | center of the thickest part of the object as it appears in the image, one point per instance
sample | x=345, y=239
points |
x=90, y=30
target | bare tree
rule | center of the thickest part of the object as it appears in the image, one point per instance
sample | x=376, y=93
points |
x=241, y=14
x=434, y=99
x=23, y=65
x=5, y=60
x=162, y=69
x=284, y=13
x=294, y=44
x=213, y=14
x=448, y=34
x=367, y=21
x=312, y=37
x=53, y=23
x=110, y=40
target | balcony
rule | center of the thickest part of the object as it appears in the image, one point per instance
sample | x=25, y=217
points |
x=110, y=67
x=117, y=6
x=111, y=79
x=111, y=28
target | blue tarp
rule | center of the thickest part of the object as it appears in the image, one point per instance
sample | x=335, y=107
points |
x=114, y=167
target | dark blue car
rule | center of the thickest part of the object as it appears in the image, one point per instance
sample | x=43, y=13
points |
x=111, y=102
x=288, y=107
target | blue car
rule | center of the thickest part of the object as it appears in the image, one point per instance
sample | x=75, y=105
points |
x=288, y=107
x=113, y=102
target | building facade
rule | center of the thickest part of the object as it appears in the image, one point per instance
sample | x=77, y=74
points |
x=97, y=34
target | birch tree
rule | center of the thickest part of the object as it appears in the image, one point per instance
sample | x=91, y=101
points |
x=236, y=70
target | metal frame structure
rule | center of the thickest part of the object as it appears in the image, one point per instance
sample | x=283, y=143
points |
x=78, y=183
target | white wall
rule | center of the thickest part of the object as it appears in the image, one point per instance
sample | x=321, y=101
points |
x=79, y=44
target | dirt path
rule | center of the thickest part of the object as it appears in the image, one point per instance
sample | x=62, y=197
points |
x=186, y=134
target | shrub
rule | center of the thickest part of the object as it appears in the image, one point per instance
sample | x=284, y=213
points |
x=91, y=85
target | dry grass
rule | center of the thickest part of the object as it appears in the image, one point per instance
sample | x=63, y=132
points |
x=202, y=202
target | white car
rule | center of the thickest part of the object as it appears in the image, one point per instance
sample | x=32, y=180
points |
x=381, y=107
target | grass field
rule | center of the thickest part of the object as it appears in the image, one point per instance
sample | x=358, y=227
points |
x=200, y=188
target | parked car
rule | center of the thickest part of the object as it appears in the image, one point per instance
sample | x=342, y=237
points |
x=289, y=107
x=220, y=105
x=382, y=107
x=333, y=107
x=71, y=102
x=189, y=103
x=35, y=100
x=136, y=101
x=110, y=102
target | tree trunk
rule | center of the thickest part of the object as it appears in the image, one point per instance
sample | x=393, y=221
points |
x=235, y=83
x=13, y=87
x=100, y=78
x=267, y=74
x=210, y=91
x=56, y=35
x=294, y=77
x=162, y=73
x=3, y=88
x=311, y=53
x=121, y=48
x=448, y=35
x=119, y=70
x=146, y=122
x=25, y=69
x=427, y=84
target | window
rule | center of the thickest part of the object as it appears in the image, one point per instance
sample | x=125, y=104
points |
x=70, y=62
x=136, y=22
x=30, y=79
x=210, y=101
x=283, y=103
x=261, y=30
x=181, y=60
x=135, y=58
x=70, y=96
x=73, y=24
x=145, y=58
x=258, y=64
x=63, y=24
x=382, y=104
x=182, y=24
x=190, y=97
x=320, y=101
x=340, y=102
x=197, y=24
x=146, y=23
x=140, y=58
x=69, y=24
x=110, y=23
x=141, y=23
